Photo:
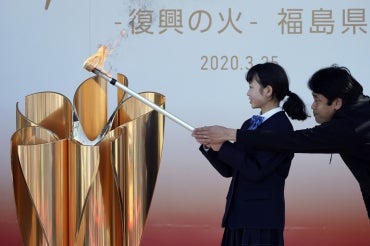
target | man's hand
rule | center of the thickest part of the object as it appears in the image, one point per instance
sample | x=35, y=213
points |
x=209, y=135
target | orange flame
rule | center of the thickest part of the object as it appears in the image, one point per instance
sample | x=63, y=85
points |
x=97, y=60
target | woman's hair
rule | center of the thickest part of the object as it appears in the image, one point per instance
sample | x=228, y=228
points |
x=272, y=74
x=335, y=82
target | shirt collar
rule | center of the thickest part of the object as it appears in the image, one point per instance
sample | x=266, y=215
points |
x=270, y=113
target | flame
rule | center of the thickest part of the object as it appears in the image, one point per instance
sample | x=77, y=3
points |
x=97, y=60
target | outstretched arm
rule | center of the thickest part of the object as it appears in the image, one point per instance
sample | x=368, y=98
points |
x=331, y=137
x=208, y=135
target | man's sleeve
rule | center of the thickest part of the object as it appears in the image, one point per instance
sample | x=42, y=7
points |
x=325, y=138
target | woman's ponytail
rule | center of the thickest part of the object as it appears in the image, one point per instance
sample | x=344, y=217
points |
x=295, y=107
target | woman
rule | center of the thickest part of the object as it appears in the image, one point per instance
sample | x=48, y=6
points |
x=255, y=206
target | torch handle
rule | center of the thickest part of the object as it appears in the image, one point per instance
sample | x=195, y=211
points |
x=143, y=99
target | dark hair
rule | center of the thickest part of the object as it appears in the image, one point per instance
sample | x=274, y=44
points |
x=275, y=76
x=336, y=82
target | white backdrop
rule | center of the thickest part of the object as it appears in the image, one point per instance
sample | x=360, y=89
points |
x=196, y=53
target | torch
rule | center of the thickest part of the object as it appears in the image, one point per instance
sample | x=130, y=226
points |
x=89, y=66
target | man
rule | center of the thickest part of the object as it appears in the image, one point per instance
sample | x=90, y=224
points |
x=343, y=112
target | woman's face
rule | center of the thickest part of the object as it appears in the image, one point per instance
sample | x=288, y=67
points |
x=255, y=94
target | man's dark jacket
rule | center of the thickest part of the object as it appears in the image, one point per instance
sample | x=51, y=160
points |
x=347, y=133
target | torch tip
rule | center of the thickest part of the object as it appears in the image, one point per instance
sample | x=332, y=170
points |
x=88, y=66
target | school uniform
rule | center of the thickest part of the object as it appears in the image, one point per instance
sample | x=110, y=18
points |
x=255, y=205
x=347, y=133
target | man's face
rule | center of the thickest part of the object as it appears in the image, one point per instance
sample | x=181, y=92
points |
x=321, y=110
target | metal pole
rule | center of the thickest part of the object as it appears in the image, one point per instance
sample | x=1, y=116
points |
x=142, y=99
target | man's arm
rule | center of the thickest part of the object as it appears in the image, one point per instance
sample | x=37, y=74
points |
x=325, y=138
x=319, y=139
x=214, y=134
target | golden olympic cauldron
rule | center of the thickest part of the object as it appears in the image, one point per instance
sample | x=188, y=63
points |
x=90, y=193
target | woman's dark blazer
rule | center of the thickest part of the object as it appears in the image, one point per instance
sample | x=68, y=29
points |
x=256, y=194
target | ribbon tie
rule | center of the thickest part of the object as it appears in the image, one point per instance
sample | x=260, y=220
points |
x=256, y=120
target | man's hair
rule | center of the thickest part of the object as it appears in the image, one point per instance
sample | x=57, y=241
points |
x=336, y=82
